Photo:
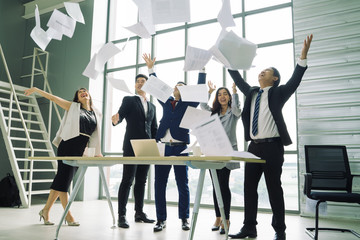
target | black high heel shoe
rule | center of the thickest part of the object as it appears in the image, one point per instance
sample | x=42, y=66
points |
x=215, y=228
x=222, y=230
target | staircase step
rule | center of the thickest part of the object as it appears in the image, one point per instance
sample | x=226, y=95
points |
x=21, y=103
x=25, y=139
x=29, y=130
x=15, y=119
x=29, y=149
x=39, y=170
x=39, y=181
x=35, y=160
x=39, y=192
x=23, y=111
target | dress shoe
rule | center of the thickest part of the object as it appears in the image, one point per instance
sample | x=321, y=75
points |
x=122, y=222
x=159, y=226
x=215, y=228
x=185, y=224
x=142, y=217
x=280, y=236
x=46, y=222
x=244, y=232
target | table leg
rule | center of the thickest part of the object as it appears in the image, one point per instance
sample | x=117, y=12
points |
x=82, y=171
x=197, y=203
x=219, y=200
x=106, y=188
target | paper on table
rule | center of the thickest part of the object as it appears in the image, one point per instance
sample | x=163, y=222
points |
x=194, y=93
x=193, y=116
x=196, y=58
x=212, y=137
x=157, y=88
x=90, y=70
x=104, y=54
x=139, y=29
x=119, y=84
x=238, y=51
x=242, y=154
x=74, y=11
x=170, y=11
x=224, y=17
x=62, y=23
x=39, y=36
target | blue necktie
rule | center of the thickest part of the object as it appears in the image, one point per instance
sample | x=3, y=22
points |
x=256, y=113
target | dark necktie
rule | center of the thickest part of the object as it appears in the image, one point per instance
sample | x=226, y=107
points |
x=256, y=113
x=173, y=103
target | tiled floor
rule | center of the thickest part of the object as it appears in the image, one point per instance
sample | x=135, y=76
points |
x=96, y=223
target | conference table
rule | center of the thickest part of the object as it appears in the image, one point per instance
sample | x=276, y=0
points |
x=197, y=162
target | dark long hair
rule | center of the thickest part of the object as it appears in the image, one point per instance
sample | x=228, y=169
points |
x=216, y=107
x=76, y=97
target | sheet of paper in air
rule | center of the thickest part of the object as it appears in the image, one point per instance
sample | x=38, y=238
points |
x=139, y=29
x=62, y=23
x=104, y=54
x=196, y=58
x=224, y=17
x=90, y=70
x=212, y=137
x=53, y=34
x=74, y=11
x=145, y=15
x=193, y=116
x=119, y=84
x=238, y=51
x=39, y=36
x=170, y=11
x=157, y=88
x=194, y=93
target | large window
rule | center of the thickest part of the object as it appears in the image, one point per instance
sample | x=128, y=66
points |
x=266, y=23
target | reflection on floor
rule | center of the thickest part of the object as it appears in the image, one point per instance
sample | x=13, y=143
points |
x=96, y=221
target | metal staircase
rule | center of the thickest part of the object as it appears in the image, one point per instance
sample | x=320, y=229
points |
x=25, y=134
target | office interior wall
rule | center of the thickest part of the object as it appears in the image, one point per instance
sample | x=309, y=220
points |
x=328, y=99
x=12, y=27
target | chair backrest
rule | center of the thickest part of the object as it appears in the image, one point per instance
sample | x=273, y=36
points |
x=329, y=166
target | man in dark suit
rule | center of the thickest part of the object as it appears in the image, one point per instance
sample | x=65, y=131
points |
x=176, y=140
x=265, y=127
x=140, y=116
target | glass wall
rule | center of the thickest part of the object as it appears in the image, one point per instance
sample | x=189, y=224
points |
x=266, y=23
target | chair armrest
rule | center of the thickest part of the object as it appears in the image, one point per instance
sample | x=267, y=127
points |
x=308, y=183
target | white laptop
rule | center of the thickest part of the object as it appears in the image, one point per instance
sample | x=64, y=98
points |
x=145, y=148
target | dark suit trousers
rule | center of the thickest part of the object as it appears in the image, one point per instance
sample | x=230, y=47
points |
x=181, y=177
x=223, y=177
x=273, y=153
x=131, y=172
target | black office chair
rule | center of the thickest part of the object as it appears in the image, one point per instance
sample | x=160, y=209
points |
x=328, y=178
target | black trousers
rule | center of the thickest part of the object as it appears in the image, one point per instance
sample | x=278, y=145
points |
x=223, y=177
x=273, y=153
x=131, y=172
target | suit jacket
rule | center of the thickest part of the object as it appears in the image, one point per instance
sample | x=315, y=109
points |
x=171, y=118
x=138, y=126
x=277, y=97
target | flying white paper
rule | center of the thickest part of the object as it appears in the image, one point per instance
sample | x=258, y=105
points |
x=196, y=58
x=90, y=70
x=39, y=36
x=224, y=17
x=139, y=29
x=170, y=11
x=104, y=54
x=234, y=52
x=62, y=23
x=157, y=88
x=193, y=116
x=119, y=84
x=212, y=137
x=74, y=11
x=194, y=93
